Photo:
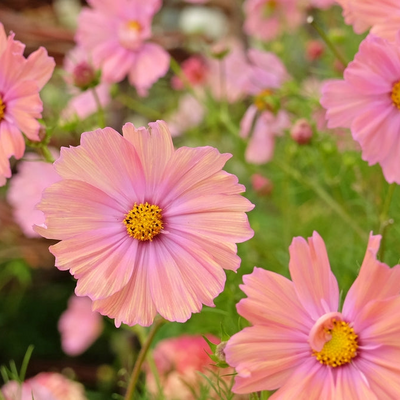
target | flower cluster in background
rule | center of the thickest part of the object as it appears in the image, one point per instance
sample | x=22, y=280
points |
x=152, y=261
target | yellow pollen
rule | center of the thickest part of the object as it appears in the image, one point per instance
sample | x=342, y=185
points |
x=260, y=100
x=134, y=25
x=2, y=109
x=269, y=8
x=395, y=95
x=341, y=349
x=144, y=221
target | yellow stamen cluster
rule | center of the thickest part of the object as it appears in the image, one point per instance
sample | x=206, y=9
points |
x=341, y=349
x=395, y=95
x=260, y=100
x=269, y=8
x=144, y=221
x=2, y=109
x=134, y=25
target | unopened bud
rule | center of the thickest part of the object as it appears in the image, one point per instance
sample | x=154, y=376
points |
x=314, y=50
x=262, y=185
x=220, y=351
x=301, y=131
x=84, y=76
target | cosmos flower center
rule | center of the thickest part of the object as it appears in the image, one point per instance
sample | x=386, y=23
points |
x=130, y=34
x=269, y=8
x=144, y=221
x=263, y=99
x=395, y=95
x=341, y=348
x=2, y=109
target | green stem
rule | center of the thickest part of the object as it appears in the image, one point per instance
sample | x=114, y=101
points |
x=138, y=106
x=328, y=42
x=141, y=357
x=384, y=220
x=322, y=194
x=100, y=110
x=46, y=154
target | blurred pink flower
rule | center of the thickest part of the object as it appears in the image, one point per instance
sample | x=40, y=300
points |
x=265, y=72
x=179, y=361
x=115, y=33
x=301, y=131
x=79, y=326
x=189, y=114
x=382, y=16
x=368, y=102
x=44, y=386
x=266, y=19
x=194, y=70
x=82, y=79
x=21, y=80
x=322, y=4
x=25, y=191
x=301, y=345
x=145, y=228
x=261, y=185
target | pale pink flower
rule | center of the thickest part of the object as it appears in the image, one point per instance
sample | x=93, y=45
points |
x=265, y=72
x=303, y=346
x=322, y=4
x=179, y=361
x=368, y=102
x=44, y=386
x=25, y=191
x=267, y=19
x=116, y=33
x=382, y=16
x=82, y=79
x=21, y=80
x=145, y=228
x=189, y=114
x=79, y=326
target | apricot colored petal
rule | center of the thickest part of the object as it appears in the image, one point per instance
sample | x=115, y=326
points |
x=39, y=67
x=379, y=322
x=265, y=357
x=375, y=281
x=133, y=303
x=272, y=301
x=315, y=284
x=102, y=156
x=116, y=66
x=11, y=140
x=351, y=383
x=154, y=148
x=152, y=62
x=83, y=206
x=186, y=168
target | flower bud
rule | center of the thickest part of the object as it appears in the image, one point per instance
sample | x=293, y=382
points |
x=84, y=76
x=301, y=131
x=261, y=185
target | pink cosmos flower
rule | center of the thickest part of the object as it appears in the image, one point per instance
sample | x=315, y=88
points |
x=44, y=386
x=382, y=16
x=115, y=32
x=21, y=80
x=303, y=346
x=194, y=70
x=26, y=189
x=179, y=361
x=264, y=73
x=266, y=19
x=368, y=102
x=79, y=326
x=82, y=79
x=143, y=227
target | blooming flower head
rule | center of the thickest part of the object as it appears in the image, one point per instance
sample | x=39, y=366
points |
x=44, y=386
x=79, y=326
x=368, y=102
x=303, y=346
x=21, y=79
x=382, y=16
x=143, y=227
x=115, y=33
x=26, y=189
x=266, y=19
x=264, y=73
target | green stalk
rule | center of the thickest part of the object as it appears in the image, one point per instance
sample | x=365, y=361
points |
x=384, y=220
x=141, y=357
x=100, y=110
